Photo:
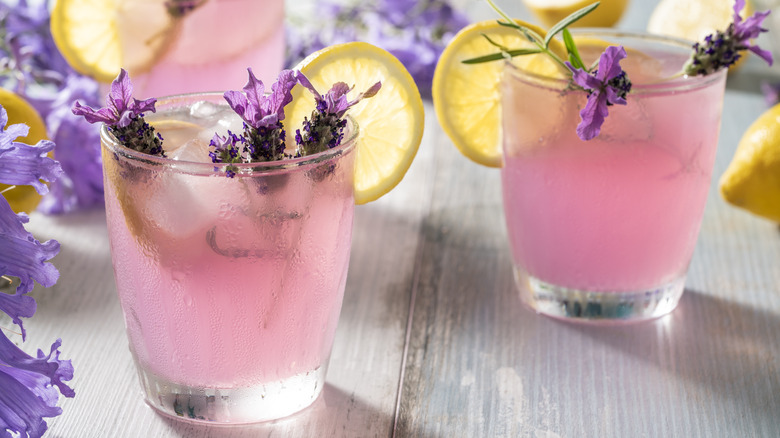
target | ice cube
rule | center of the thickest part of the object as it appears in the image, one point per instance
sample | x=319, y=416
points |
x=196, y=149
x=205, y=110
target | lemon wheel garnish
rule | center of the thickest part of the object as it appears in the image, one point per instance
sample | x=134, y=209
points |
x=22, y=198
x=99, y=37
x=466, y=97
x=550, y=12
x=390, y=123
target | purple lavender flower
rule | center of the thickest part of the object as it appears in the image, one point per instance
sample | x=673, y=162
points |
x=124, y=116
x=257, y=109
x=722, y=49
x=226, y=150
x=608, y=85
x=27, y=384
x=121, y=108
x=325, y=129
x=263, y=115
x=335, y=100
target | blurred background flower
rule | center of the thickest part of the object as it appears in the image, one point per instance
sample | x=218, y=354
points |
x=415, y=31
x=32, y=67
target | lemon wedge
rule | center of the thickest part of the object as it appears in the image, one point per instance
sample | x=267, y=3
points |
x=22, y=198
x=99, y=37
x=390, y=123
x=752, y=179
x=466, y=97
x=550, y=12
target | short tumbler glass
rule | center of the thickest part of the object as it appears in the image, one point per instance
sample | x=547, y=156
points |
x=604, y=230
x=231, y=288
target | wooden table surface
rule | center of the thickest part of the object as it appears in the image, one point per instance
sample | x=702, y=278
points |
x=433, y=341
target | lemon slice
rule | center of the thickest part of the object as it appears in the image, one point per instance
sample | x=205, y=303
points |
x=99, y=37
x=752, y=179
x=466, y=96
x=390, y=123
x=550, y=12
x=22, y=198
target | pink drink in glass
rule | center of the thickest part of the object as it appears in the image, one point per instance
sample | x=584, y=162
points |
x=605, y=229
x=231, y=287
x=215, y=44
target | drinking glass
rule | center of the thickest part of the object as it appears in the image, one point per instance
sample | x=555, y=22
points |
x=604, y=230
x=231, y=288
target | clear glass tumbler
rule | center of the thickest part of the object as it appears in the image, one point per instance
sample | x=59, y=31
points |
x=604, y=230
x=231, y=288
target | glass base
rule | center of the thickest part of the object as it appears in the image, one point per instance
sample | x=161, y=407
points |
x=229, y=406
x=600, y=307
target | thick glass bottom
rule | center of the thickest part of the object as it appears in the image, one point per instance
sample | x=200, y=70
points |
x=228, y=406
x=600, y=307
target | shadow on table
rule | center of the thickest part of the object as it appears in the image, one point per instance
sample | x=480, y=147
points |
x=728, y=349
x=335, y=413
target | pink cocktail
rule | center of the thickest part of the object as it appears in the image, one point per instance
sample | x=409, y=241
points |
x=605, y=229
x=231, y=287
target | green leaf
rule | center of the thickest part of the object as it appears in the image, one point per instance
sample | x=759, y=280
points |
x=566, y=22
x=571, y=49
x=501, y=55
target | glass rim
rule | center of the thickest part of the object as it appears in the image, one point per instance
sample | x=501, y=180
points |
x=662, y=85
x=110, y=142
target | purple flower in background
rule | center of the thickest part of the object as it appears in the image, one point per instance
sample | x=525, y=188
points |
x=29, y=387
x=121, y=108
x=414, y=31
x=771, y=92
x=257, y=109
x=722, y=49
x=31, y=65
x=608, y=85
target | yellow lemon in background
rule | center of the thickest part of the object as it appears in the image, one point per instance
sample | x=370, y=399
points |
x=549, y=12
x=22, y=198
x=99, y=37
x=752, y=179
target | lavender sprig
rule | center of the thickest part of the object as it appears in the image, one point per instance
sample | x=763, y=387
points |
x=227, y=150
x=124, y=116
x=325, y=129
x=722, y=49
x=263, y=115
